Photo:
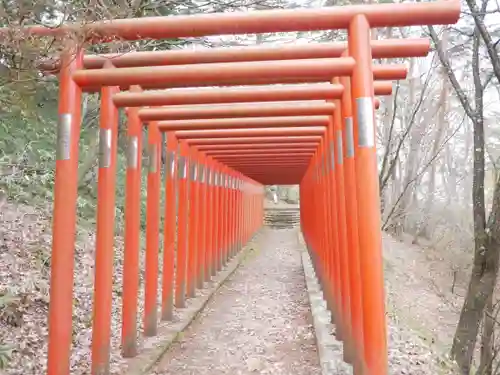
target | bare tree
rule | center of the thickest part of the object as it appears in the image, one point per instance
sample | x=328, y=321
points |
x=442, y=126
x=486, y=233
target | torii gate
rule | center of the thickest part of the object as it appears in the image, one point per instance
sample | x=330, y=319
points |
x=336, y=167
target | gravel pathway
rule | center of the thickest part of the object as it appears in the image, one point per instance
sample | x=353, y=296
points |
x=259, y=322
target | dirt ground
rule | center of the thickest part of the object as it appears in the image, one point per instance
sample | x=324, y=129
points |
x=258, y=322
x=422, y=312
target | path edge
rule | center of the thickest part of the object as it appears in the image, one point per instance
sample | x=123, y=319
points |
x=329, y=349
x=145, y=362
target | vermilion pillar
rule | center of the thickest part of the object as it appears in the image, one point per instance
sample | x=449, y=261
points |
x=226, y=213
x=193, y=217
x=221, y=217
x=169, y=229
x=201, y=245
x=330, y=227
x=152, y=230
x=182, y=235
x=233, y=249
x=238, y=212
x=64, y=221
x=352, y=226
x=341, y=227
x=103, y=286
x=326, y=190
x=367, y=190
x=209, y=251
x=217, y=221
x=319, y=206
x=132, y=228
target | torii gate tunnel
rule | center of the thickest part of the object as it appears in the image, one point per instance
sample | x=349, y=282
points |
x=305, y=116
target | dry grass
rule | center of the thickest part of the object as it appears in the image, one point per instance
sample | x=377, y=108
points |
x=25, y=241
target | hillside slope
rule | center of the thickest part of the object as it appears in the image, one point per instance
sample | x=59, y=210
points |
x=421, y=314
x=420, y=307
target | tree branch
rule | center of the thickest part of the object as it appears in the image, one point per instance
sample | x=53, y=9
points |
x=486, y=36
x=451, y=75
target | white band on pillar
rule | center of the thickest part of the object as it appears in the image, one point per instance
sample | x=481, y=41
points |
x=340, y=154
x=104, y=148
x=349, y=137
x=366, y=135
x=132, y=151
x=63, y=150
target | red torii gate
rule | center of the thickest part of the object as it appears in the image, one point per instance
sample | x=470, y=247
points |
x=344, y=155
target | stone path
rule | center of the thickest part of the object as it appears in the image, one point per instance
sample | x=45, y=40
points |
x=259, y=322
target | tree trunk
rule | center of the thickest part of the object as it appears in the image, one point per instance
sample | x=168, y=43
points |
x=485, y=263
x=467, y=181
x=486, y=237
x=481, y=286
x=486, y=364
